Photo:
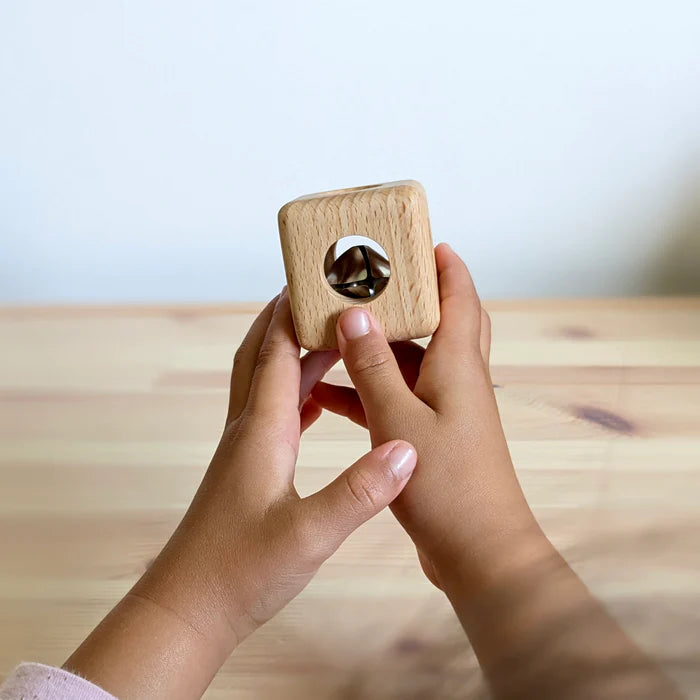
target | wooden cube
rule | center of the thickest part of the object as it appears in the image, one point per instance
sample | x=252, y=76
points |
x=394, y=215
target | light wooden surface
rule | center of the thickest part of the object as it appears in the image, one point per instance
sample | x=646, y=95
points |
x=394, y=215
x=108, y=418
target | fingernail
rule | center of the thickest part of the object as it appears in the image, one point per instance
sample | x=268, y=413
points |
x=402, y=460
x=354, y=323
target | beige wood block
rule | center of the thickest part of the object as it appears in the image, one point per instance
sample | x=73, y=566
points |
x=394, y=215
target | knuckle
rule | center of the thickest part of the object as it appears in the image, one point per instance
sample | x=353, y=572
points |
x=275, y=350
x=240, y=354
x=465, y=350
x=262, y=429
x=474, y=369
x=370, y=364
x=364, y=490
x=465, y=296
x=304, y=535
x=229, y=437
x=307, y=540
x=473, y=305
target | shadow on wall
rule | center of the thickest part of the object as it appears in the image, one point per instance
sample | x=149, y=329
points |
x=675, y=270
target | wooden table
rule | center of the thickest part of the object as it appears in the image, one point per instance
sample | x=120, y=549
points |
x=109, y=416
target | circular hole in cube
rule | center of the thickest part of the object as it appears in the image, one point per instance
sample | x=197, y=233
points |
x=357, y=267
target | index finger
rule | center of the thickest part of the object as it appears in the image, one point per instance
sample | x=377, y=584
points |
x=245, y=360
x=455, y=345
x=460, y=308
x=274, y=390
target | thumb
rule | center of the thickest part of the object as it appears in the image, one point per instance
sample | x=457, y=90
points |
x=359, y=493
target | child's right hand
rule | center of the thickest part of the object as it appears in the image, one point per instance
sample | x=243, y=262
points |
x=463, y=508
x=534, y=626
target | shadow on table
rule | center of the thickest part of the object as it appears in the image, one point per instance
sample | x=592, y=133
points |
x=416, y=669
x=645, y=573
x=429, y=658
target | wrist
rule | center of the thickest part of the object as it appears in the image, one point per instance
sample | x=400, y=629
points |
x=145, y=648
x=182, y=587
x=497, y=554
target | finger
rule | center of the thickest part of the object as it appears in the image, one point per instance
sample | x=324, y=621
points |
x=310, y=412
x=359, y=493
x=456, y=343
x=341, y=400
x=244, y=362
x=314, y=366
x=344, y=400
x=485, y=337
x=274, y=390
x=460, y=308
x=371, y=364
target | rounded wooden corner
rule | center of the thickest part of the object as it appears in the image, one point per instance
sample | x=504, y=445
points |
x=283, y=215
x=412, y=192
x=312, y=340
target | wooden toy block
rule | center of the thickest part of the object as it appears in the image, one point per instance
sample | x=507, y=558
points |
x=400, y=288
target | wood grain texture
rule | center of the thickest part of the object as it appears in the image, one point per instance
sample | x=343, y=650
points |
x=395, y=215
x=108, y=418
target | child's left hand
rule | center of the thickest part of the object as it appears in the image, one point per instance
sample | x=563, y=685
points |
x=248, y=543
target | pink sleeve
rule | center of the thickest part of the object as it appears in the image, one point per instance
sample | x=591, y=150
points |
x=49, y=683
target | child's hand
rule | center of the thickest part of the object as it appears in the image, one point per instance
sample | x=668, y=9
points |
x=248, y=532
x=464, y=499
x=248, y=543
x=535, y=628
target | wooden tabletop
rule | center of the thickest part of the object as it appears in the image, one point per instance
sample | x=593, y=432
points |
x=109, y=416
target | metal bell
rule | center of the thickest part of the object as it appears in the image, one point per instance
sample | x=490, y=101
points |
x=359, y=273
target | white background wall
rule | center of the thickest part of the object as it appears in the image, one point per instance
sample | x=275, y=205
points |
x=145, y=147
